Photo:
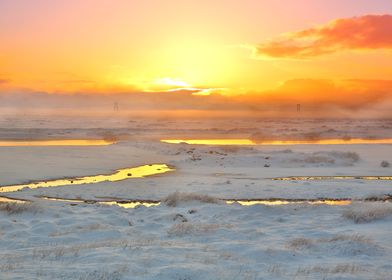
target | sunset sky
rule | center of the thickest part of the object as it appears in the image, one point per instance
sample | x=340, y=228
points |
x=314, y=49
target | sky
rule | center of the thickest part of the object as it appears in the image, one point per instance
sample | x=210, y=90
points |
x=315, y=51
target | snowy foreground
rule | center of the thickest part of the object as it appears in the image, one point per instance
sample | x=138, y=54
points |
x=193, y=233
x=194, y=241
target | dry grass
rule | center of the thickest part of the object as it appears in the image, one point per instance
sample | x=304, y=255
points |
x=80, y=229
x=109, y=136
x=353, y=156
x=16, y=208
x=10, y=266
x=230, y=149
x=302, y=242
x=346, y=158
x=174, y=199
x=275, y=269
x=325, y=270
x=368, y=212
x=187, y=228
x=259, y=137
x=57, y=252
x=102, y=275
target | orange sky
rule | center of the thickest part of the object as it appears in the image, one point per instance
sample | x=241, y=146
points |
x=231, y=47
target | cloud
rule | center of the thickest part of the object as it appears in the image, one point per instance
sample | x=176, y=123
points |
x=4, y=81
x=318, y=97
x=349, y=95
x=368, y=32
x=78, y=81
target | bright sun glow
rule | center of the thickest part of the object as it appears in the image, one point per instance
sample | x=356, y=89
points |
x=171, y=82
x=163, y=84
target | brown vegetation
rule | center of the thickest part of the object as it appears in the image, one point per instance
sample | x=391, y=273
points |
x=174, y=199
x=368, y=212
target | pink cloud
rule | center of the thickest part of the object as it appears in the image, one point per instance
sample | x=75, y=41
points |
x=367, y=32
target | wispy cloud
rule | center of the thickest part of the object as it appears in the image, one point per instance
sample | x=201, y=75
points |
x=4, y=81
x=368, y=32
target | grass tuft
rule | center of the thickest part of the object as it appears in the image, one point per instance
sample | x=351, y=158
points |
x=187, y=228
x=176, y=198
x=368, y=212
x=12, y=208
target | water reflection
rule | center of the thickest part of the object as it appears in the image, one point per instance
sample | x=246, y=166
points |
x=242, y=202
x=4, y=199
x=304, y=178
x=121, y=174
x=69, y=142
x=247, y=142
x=65, y=199
x=131, y=204
x=121, y=203
x=284, y=202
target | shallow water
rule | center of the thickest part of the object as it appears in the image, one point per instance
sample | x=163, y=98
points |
x=133, y=204
x=123, y=204
x=242, y=202
x=284, y=202
x=120, y=174
x=69, y=142
x=4, y=199
x=305, y=178
x=248, y=142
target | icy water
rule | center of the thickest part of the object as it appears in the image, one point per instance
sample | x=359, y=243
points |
x=248, y=142
x=70, y=142
x=284, y=202
x=242, y=202
x=305, y=178
x=123, y=204
x=4, y=199
x=120, y=174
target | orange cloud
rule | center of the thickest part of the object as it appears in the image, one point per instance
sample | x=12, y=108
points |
x=319, y=95
x=367, y=32
x=326, y=98
x=4, y=81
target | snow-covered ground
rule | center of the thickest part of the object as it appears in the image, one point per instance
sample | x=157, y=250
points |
x=195, y=239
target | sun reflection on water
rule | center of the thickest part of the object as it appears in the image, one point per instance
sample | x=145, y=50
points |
x=249, y=142
x=66, y=142
x=305, y=178
x=4, y=199
x=284, y=202
x=130, y=204
x=121, y=174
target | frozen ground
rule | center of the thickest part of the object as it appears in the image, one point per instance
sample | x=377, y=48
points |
x=195, y=239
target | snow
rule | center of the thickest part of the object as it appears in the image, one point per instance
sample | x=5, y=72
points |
x=198, y=237
x=216, y=242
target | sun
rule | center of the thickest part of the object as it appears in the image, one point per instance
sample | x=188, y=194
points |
x=165, y=84
x=173, y=82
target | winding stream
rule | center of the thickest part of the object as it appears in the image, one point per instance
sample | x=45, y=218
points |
x=119, y=175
